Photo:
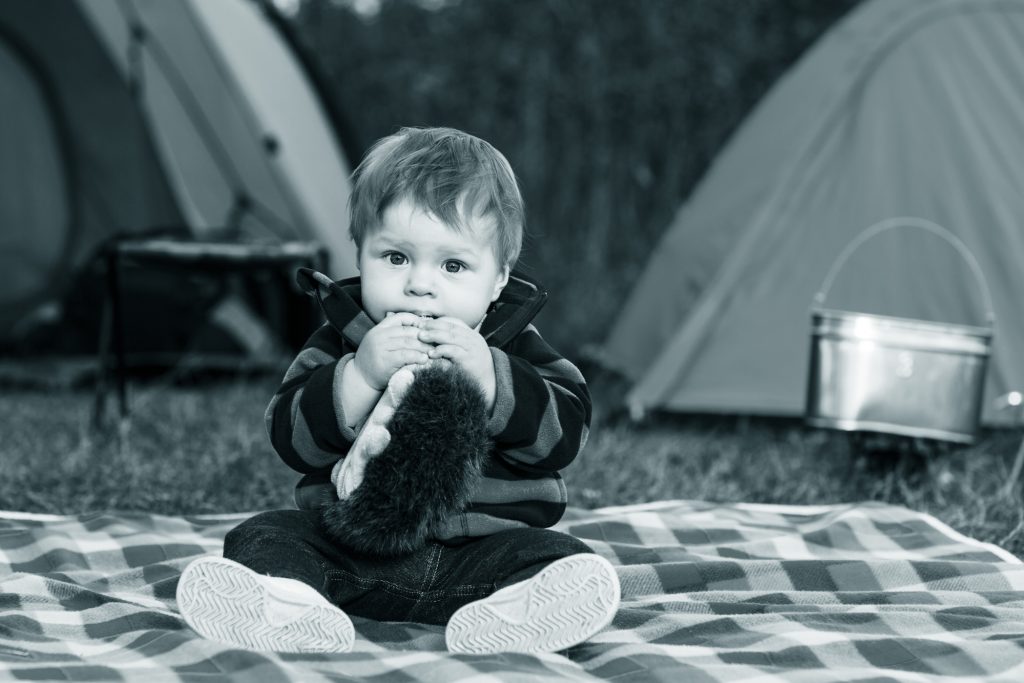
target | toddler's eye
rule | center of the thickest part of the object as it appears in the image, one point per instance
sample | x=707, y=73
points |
x=395, y=259
x=453, y=266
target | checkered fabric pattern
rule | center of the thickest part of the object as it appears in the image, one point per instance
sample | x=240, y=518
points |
x=710, y=593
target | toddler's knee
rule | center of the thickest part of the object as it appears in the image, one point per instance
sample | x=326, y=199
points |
x=564, y=544
x=265, y=527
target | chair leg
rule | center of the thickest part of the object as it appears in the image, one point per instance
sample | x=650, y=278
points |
x=104, y=352
x=117, y=329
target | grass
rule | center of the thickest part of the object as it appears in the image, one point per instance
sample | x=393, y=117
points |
x=203, y=449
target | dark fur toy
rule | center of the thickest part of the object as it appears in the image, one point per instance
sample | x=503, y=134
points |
x=426, y=473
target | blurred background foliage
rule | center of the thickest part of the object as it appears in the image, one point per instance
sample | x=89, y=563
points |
x=609, y=110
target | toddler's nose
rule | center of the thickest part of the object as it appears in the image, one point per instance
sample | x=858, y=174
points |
x=419, y=283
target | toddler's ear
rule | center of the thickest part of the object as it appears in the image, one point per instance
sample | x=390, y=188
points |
x=500, y=283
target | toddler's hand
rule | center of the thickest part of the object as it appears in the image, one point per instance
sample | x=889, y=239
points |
x=453, y=339
x=389, y=345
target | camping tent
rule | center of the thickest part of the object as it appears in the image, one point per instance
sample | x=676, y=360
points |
x=905, y=108
x=123, y=116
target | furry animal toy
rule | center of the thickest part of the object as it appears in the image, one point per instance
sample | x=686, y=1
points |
x=414, y=463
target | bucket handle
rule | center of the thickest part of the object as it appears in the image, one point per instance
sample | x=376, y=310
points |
x=907, y=222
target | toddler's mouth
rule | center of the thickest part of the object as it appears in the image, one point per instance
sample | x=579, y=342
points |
x=423, y=314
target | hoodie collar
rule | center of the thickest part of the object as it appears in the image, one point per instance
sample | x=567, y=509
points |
x=341, y=302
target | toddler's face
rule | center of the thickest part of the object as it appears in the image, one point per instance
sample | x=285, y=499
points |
x=414, y=263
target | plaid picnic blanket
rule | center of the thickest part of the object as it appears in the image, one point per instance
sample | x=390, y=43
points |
x=710, y=593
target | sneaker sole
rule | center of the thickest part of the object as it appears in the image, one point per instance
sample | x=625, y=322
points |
x=226, y=601
x=565, y=604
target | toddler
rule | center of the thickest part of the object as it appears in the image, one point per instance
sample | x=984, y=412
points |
x=437, y=218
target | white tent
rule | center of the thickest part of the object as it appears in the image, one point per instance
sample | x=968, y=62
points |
x=905, y=108
x=121, y=116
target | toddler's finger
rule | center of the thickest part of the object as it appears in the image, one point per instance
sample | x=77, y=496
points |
x=446, y=323
x=410, y=357
x=404, y=319
x=452, y=352
x=413, y=335
x=410, y=341
x=441, y=333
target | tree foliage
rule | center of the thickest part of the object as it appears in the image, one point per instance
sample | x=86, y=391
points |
x=608, y=110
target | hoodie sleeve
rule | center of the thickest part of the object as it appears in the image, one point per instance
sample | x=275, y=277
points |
x=541, y=415
x=305, y=418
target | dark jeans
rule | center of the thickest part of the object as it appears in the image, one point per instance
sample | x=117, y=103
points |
x=426, y=586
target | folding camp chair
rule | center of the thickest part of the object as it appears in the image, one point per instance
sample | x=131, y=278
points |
x=192, y=256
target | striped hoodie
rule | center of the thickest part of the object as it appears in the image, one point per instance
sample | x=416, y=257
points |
x=539, y=423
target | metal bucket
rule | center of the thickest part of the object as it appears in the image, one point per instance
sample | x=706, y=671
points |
x=897, y=375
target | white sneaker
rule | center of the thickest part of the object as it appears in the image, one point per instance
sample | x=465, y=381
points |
x=223, y=600
x=565, y=604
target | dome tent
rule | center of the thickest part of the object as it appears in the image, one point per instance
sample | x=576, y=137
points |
x=904, y=108
x=121, y=117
